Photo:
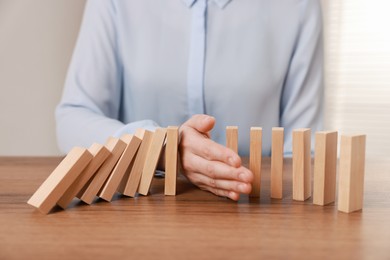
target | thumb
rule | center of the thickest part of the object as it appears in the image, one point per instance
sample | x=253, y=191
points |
x=201, y=123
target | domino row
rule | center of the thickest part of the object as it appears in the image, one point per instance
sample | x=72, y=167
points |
x=124, y=165
x=351, y=166
x=127, y=166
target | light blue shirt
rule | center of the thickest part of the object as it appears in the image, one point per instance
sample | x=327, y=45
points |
x=155, y=63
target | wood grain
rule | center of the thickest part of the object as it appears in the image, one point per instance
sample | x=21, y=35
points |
x=63, y=176
x=171, y=162
x=115, y=178
x=232, y=138
x=151, y=160
x=255, y=154
x=301, y=164
x=116, y=147
x=194, y=224
x=277, y=162
x=139, y=133
x=138, y=165
x=352, y=169
x=325, y=164
x=100, y=154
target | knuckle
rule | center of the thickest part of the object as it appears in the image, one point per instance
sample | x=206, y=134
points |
x=207, y=152
x=216, y=191
x=212, y=183
x=210, y=170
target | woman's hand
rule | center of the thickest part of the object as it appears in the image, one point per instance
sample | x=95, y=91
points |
x=209, y=165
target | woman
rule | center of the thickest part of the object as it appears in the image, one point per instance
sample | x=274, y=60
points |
x=201, y=64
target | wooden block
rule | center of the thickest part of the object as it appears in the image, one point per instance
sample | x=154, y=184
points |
x=100, y=154
x=116, y=147
x=152, y=160
x=232, y=138
x=301, y=164
x=351, y=173
x=171, y=151
x=136, y=171
x=325, y=161
x=111, y=186
x=51, y=190
x=277, y=163
x=139, y=133
x=255, y=153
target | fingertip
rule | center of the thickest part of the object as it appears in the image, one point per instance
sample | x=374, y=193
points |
x=234, y=161
x=209, y=120
x=234, y=196
x=245, y=188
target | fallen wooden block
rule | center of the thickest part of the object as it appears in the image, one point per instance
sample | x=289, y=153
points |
x=277, y=163
x=100, y=154
x=171, y=151
x=51, y=190
x=301, y=164
x=152, y=160
x=351, y=173
x=139, y=162
x=255, y=153
x=116, y=147
x=111, y=185
x=325, y=162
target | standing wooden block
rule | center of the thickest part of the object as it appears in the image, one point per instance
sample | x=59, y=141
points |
x=301, y=164
x=111, y=185
x=116, y=147
x=51, y=190
x=351, y=172
x=255, y=152
x=100, y=154
x=171, y=150
x=277, y=163
x=232, y=138
x=325, y=161
x=152, y=160
x=136, y=171
x=139, y=133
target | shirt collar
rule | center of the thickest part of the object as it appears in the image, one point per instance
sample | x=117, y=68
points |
x=221, y=3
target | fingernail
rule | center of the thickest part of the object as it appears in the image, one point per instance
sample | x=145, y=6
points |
x=232, y=195
x=242, y=187
x=208, y=118
x=231, y=161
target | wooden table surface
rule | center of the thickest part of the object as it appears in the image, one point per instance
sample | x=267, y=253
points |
x=192, y=225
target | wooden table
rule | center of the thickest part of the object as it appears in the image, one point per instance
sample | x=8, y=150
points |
x=193, y=225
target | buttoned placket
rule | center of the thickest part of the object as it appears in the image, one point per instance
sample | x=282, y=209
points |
x=197, y=55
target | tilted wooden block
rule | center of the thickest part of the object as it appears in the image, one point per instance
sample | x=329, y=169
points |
x=100, y=154
x=277, y=162
x=116, y=147
x=139, y=162
x=255, y=153
x=171, y=151
x=232, y=138
x=139, y=133
x=111, y=185
x=51, y=190
x=351, y=173
x=325, y=161
x=152, y=160
x=301, y=164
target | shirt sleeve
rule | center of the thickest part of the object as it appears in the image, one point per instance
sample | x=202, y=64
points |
x=90, y=105
x=302, y=97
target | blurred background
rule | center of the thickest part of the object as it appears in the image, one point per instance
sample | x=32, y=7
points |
x=37, y=38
